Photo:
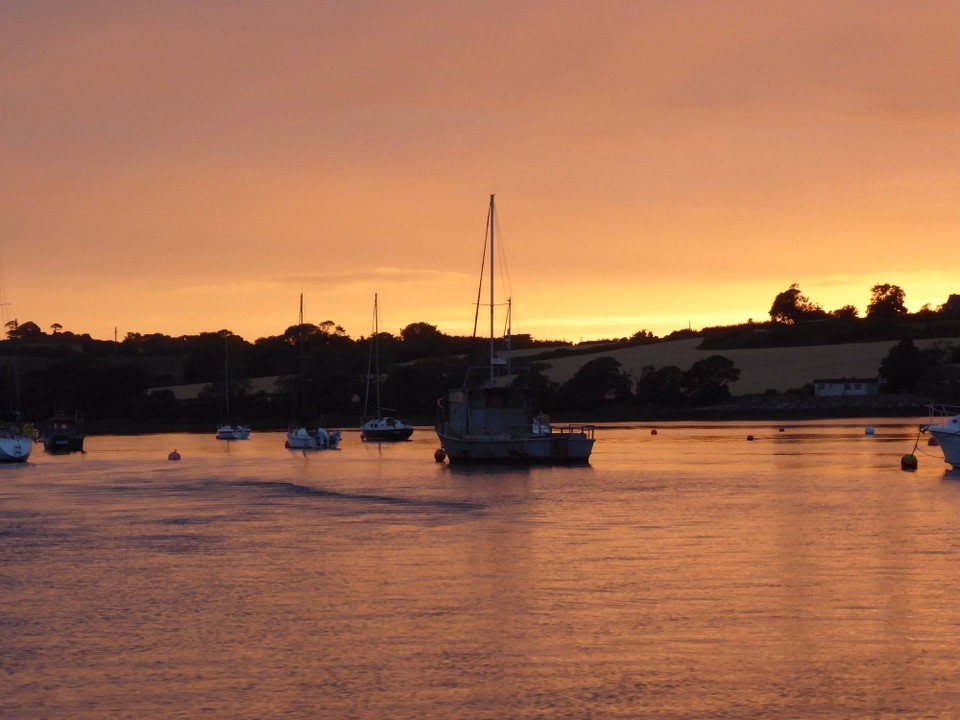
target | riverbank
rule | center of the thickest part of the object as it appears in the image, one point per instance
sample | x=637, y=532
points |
x=756, y=407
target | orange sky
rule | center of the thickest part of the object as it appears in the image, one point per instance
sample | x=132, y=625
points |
x=180, y=167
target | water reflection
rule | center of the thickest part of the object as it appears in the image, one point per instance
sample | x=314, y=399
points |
x=690, y=573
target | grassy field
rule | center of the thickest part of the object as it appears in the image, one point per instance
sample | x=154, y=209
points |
x=779, y=369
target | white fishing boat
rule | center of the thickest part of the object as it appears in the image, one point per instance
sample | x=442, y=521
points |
x=379, y=428
x=14, y=445
x=488, y=420
x=229, y=430
x=299, y=435
x=944, y=425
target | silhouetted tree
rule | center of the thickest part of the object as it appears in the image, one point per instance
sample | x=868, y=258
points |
x=596, y=381
x=707, y=380
x=886, y=302
x=904, y=366
x=660, y=386
x=847, y=312
x=792, y=306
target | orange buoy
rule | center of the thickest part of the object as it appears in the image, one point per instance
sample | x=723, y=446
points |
x=653, y=432
x=933, y=442
x=439, y=455
x=750, y=437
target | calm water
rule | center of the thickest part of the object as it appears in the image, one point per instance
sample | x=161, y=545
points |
x=691, y=574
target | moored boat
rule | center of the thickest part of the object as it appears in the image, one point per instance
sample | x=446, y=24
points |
x=299, y=435
x=62, y=433
x=229, y=430
x=944, y=425
x=490, y=420
x=14, y=445
x=379, y=428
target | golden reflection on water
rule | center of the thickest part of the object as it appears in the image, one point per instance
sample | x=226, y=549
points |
x=684, y=575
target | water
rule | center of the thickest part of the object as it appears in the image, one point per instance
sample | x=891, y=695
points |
x=690, y=574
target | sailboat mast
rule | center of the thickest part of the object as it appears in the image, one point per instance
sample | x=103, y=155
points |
x=226, y=373
x=376, y=344
x=491, y=287
x=300, y=342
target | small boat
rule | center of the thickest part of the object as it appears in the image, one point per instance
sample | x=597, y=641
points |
x=302, y=438
x=14, y=445
x=229, y=430
x=63, y=434
x=944, y=425
x=489, y=420
x=299, y=436
x=380, y=428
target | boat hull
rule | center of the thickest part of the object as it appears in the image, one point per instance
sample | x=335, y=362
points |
x=551, y=449
x=63, y=444
x=303, y=439
x=15, y=449
x=948, y=437
x=233, y=432
x=385, y=430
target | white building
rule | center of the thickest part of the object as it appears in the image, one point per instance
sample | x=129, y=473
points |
x=836, y=387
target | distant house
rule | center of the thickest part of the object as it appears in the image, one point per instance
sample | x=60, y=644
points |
x=836, y=387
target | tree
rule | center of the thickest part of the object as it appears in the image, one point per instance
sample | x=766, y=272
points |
x=594, y=383
x=56, y=327
x=886, y=302
x=792, y=306
x=904, y=366
x=660, y=386
x=707, y=380
x=847, y=312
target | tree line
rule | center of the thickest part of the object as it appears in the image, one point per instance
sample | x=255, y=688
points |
x=117, y=381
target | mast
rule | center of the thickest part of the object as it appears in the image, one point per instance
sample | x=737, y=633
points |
x=492, y=211
x=300, y=342
x=376, y=346
x=226, y=374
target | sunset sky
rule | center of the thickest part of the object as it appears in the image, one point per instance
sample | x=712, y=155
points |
x=181, y=167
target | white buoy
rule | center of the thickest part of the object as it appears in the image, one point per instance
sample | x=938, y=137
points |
x=173, y=456
x=868, y=430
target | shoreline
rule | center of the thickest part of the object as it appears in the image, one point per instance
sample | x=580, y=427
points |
x=759, y=408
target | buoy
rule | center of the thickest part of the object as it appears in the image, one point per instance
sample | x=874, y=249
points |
x=868, y=430
x=286, y=444
x=439, y=455
x=653, y=432
x=933, y=442
x=750, y=437
x=781, y=430
x=908, y=462
x=173, y=456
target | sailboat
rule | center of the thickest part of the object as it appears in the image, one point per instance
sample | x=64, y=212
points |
x=379, y=428
x=299, y=436
x=15, y=444
x=487, y=420
x=229, y=430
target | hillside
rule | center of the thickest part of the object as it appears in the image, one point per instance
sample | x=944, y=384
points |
x=761, y=369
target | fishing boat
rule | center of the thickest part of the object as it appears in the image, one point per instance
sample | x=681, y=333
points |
x=490, y=420
x=380, y=428
x=14, y=445
x=944, y=425
x=299, y=435
x=63, y=434
x=229, y=430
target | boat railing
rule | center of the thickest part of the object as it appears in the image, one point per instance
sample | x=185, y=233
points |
x=940, y=413
x=574, y=430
